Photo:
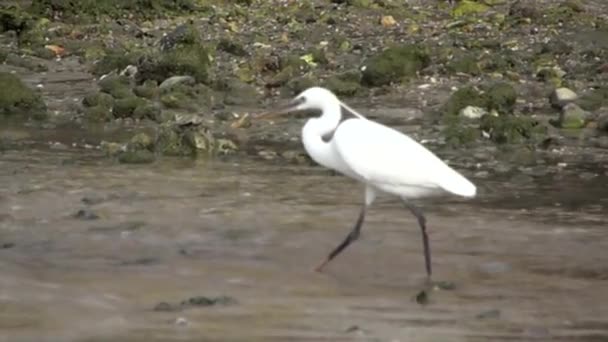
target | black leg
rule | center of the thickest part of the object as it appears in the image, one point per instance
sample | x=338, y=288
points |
x=425, y=238
x=352, y=236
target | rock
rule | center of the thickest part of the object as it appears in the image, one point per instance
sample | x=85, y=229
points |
x=466, y=64
x=149, y=89
x=510, y=129
x=175, y=139
x=602, y=122
x=500, y=96
x=594, y=99
x=345, y=84
x=225, y=147
x=524, y=9
x=231, y=47
x=394, y=64
x=99, y=113
x=184, y=56
x=457, y=133
x=141, y=141
x=150, y=111
x=117, y=86
x=573, y=116
x=86, y=214
x=469, y=7
x=17, y=99
x=126, y=107
x=472, y=112
x=562, y=96
x=175, y=80
x=239, y=93
x=462, y=98
x=110, y=61
x=97, y=98
x=299, y=84
x=194, y=98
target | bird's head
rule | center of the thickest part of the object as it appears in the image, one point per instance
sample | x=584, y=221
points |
x=311, y=99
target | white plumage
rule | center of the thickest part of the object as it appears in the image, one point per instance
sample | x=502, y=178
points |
x=382, y=158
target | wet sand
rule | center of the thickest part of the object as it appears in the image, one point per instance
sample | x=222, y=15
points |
x=526, y=263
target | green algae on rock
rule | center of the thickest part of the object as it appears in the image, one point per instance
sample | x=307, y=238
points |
x=394, y=64
x=185, y=54
x=117, y=86
x=499, y=97
x=17, y=99
x=511, y=129
x=469, y=7
x=344, y=84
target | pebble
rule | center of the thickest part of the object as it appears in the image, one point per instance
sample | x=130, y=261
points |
x=562, y=96
x=473, y=112
x=86, y=214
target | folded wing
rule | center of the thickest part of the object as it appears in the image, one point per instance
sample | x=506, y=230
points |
x=388, y=158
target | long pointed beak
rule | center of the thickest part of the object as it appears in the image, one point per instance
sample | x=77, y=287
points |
x=292, y=106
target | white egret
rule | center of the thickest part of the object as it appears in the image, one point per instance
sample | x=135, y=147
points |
x=382, y=158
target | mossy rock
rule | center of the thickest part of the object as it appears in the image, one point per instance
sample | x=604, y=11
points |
x=461, y=98
x=345, y=84
x=594, y=99
x=501, y=97
x=149, y=90
x=232, y=47
x=183, y=96
x=126, y=107
x=395, y=64
x=117, y=86
x=98, y=98
x=98, y=113
x=466, y=64
x=510, y=129
x=298, y=84
x=469, y=7
x=458, y=131
x=178, y=140
x=17, y=99
x=239, y=93
x=183, y=60
x=184, y=55
x=112, y=60
x=150, y=111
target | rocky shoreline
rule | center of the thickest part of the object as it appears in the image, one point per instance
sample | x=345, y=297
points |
x=478, y=79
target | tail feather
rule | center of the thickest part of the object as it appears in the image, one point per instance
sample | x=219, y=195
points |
x=457, y=184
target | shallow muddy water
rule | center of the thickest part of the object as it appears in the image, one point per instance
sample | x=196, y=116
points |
x=89, y=249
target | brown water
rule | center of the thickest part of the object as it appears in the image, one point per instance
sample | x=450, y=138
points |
x=253, y=231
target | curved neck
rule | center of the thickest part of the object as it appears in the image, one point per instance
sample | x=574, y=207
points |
x=328, y=121
x=312, y=137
